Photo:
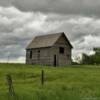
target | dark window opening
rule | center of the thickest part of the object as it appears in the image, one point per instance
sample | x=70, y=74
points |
x=30, y=54
x=38, y=51
x=61, y=50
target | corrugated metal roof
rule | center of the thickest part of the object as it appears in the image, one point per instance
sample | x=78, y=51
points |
x=45, y=40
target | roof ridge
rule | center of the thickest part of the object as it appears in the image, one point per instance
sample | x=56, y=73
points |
x=49, y=34
x=45, y=40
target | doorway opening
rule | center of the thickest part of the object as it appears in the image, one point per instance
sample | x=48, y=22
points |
x=55, y=60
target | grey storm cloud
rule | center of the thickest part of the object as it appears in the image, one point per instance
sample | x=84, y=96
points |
x=21, y=20
x=80, y=7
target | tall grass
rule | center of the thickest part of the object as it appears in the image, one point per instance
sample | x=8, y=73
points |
x=61, y=83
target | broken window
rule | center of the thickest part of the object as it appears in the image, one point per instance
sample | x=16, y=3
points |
x=61, y=50
x=31, y=54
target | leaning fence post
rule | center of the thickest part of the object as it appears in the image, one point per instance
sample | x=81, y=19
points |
x=42, y=77
x=10, y=85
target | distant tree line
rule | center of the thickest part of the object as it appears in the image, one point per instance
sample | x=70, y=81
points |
x=91, y=59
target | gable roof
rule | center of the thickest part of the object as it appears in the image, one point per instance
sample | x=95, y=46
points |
x=46, y=40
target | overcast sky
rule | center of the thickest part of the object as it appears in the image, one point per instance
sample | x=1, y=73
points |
x=21, y=20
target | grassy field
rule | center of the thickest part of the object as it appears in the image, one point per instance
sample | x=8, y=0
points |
x=61, y=83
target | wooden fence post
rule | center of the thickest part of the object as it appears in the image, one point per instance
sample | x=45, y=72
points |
x=10, y=85
x=42, y=77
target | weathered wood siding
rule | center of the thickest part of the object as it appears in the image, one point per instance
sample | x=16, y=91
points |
x=42, y=58
x=46, y=55
x=62, y=59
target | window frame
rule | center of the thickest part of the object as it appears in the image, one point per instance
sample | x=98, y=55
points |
x=61, y=50
x=31, y=54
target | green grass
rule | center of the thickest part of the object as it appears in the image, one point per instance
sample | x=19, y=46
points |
x=61, y=83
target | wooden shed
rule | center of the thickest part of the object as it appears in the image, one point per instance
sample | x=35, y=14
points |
x=51, y=49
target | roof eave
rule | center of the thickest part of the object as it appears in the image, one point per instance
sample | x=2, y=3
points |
x=39, y=47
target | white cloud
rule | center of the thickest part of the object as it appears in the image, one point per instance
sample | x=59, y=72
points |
x=17, y=29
